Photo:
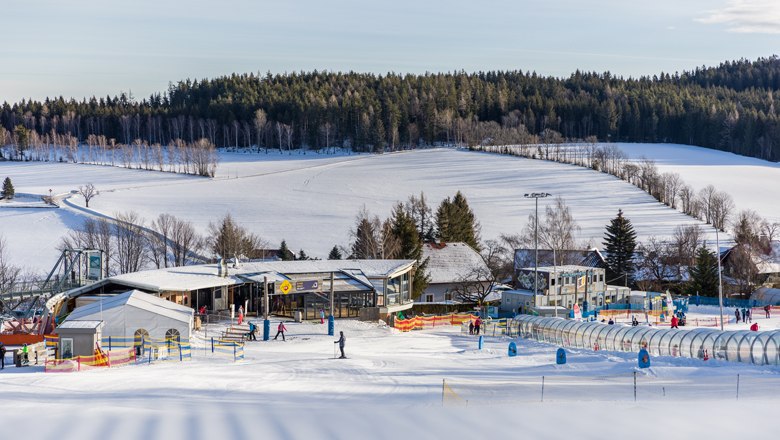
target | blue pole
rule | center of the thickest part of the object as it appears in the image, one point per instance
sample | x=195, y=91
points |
x=180, y=356
x=234, y=352
x=109, y=343
x=481, y=340
x=266, y=330
x=331, y=325
x=212, y=344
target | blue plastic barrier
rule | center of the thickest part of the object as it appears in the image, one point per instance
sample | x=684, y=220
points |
x=560, y=357
x=512, y=349
x=481, y=342
x=643, y=359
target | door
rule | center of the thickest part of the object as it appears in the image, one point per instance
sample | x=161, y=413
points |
x=66, y=348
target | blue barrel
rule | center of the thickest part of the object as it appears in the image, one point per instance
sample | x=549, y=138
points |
x=512, y=349
x=331, y=325
x=481, y=342
x=560, y=357
x=266, y=330
x=643, y=359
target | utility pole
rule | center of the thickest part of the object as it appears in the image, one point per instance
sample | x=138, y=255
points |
x=720, y=278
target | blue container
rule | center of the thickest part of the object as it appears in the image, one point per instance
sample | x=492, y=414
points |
x=481, y=342
x=643, y=359
x=331, y=325
x=560, y=357
x=512, y=349
x=266, y=330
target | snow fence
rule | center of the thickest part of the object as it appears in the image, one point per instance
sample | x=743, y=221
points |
x=760, y=348
x=424, y=322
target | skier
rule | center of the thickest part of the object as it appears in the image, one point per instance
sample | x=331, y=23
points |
x=766, y=310
x=322, y=316
x=675, y=321
x=342, y=340
x=2, y=356
x=25, y=355
x=280, y=331
x=744, y=315
x=634, y=321
x=611, y=322
x=240, y=314
x=736, y=314
x=477, y=324
x=748, y=318
x=252, y=330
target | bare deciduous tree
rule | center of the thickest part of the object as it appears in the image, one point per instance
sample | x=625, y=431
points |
x=88, y=192
x=9, y=274
x=130, y=236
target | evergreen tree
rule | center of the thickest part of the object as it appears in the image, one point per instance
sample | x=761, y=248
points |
x=302, y=256
x=619, y=244
x=410, y=247
x=456, y=222
x=704, y=275
x=366, y=245
x=335, y=253
x=8, y=189
x=285, y=253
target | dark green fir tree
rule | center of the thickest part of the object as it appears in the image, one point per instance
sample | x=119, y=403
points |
x=619, y=245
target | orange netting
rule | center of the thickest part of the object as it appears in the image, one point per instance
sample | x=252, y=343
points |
x=423, y=322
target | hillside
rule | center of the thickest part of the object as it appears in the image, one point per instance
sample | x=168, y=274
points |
x=311, y=201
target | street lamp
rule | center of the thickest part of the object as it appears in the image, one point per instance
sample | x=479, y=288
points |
x=536, y=197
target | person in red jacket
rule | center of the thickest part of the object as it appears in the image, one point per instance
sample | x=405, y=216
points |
x=477, y=325
x=280, y=331
x=675, y=321
x=754, y=327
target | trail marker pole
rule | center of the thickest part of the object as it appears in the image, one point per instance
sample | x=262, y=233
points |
x=634, y=386
x=542, y=388
x=737, y=386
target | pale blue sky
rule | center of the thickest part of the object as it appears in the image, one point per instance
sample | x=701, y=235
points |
x=97, y=47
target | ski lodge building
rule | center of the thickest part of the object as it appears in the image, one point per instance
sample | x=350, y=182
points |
x=366, y=289
x=449, y=266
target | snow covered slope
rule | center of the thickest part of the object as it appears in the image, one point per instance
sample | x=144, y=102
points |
x=312, y=200
x=753, y=183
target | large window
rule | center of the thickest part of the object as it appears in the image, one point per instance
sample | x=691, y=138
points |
x=393, y=291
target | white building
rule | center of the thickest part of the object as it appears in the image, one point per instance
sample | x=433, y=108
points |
x=568, y=285
x=450, y=265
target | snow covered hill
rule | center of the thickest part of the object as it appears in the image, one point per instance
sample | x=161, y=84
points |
x=312, y=200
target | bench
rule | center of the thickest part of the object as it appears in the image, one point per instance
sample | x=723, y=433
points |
x=236, y=333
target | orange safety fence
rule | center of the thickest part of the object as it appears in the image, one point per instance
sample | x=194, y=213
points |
x=424, y=322
x=114, y=358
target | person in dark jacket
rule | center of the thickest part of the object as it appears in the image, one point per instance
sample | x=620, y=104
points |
x=471, y=327
x=2, y=356
x=767, y=308
x=280, y=331
x=736, y=315
x=342, y=340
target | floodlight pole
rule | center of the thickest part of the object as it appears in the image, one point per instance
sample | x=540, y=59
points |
x=720, y=277
x=536, y=197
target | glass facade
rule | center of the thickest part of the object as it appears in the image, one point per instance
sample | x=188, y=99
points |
x=760, y=348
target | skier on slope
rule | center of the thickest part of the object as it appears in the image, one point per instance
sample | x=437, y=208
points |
x=342, y=340
x=280, y=331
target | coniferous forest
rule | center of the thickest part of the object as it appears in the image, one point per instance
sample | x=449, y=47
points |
x=730, y=107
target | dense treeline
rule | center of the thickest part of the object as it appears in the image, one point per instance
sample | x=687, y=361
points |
x=730, y=107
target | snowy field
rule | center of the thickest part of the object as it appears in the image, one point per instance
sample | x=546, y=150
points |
x=312, y=200
x=753, y=183
x=391, y=387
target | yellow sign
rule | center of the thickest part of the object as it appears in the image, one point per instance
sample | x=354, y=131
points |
x=285, y=287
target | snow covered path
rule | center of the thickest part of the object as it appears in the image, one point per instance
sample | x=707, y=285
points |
x=391, y=386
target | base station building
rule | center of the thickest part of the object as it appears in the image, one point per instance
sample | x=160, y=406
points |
x=366, y=289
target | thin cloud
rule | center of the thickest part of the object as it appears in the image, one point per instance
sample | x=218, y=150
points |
x=747, y=16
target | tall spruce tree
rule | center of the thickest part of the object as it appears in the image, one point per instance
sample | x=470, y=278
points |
x=335, y=253
x=456, y=222
x=619, y=244
x=285, y=253
x=704, y=275
x=410, y=247
x=8, y=189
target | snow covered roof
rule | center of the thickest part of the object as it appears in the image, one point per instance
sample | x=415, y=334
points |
x=768, y=263
x=79, y=324
x=589, y=257
x=204, y=276
x=135, y=299
x=451, y=262
x=570, y=268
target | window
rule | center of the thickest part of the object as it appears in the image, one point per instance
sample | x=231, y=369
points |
x=172, y=334
x=429, y=298
x=141, y=339
x=601, y=277
x=67, y=348
x=448, y=297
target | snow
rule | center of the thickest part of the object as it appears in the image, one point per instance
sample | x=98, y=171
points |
x=391, y=386
x=311, y=200
x=752, y=183
x=453, y=262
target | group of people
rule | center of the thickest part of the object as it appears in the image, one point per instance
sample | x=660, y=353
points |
x=744, y=316
x=474, y=326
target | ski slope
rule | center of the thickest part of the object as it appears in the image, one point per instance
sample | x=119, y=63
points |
x=311, y=200
x=391, y=387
